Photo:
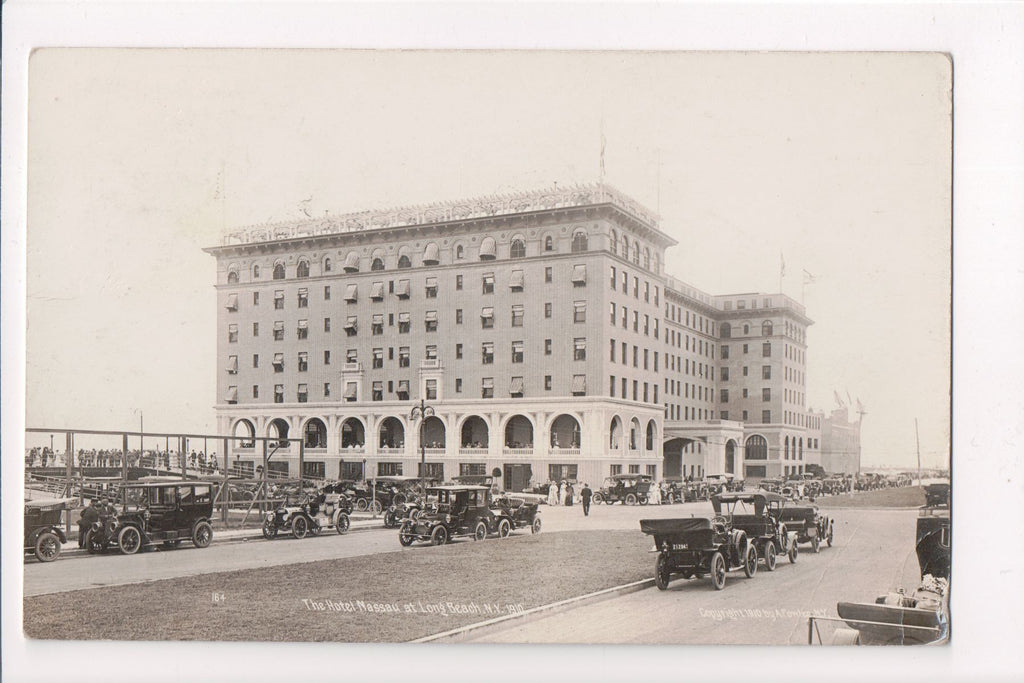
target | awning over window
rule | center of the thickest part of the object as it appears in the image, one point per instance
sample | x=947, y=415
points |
x=579, y=305
x=303, y=388
x=278, y=359
x=430, y=254
x=350, y=323
x=378, y=318
x=516, y=387
x=579, y=274
x=350, y=292
x=487, y=383
x=487, y=313
x=431, y=282
x=352, y=262
x=403, y=386
x=351, y=389
x=377, y=290
x=516, y=279
x=579, y=384
x=232, y=304
x=403, y=317
x=487, y=249
x=233, y=364
x=378, y=386
x=431, y=316
x=279, y=326
x=402, y=288
x=303, y=324
x=232, y=394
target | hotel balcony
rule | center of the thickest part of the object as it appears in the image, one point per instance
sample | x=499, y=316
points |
x=473, y=452
x=517, y=452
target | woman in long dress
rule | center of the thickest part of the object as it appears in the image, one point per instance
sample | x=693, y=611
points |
x=552, y=493
x=561, y=492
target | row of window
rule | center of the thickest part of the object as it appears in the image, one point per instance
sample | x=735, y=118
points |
x=766, y=394
x=766, y=417
x=650, y=470
x=673, y=411
x=686, y=366
x=766, y=372
x=400, y=388
x=766, y=350
x=699, y=346
x=621, y=279
x=686, y=390
x=641, y=256
x=646, y=328
x=681, y=316
x=624, y=355
x=623, y=384
x=766, y=329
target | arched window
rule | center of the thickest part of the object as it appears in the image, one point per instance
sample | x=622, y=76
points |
x=657, y=263
x=278, y=271
x=549, y=243
x=518, y=249
x=378, y=264
x=651, y=429
x=636, y=253
x=579, y=241
x=233, y=277
x=614, y=243
x=757, y=448
x=256, y=272
x=316, y=434
x=404, y=261
x=460, y=252
x=647, y=258
x=726, y=330
x=787, y=448
x=746, y=329
x=302, y=270
x=431, y=254
x=327, y=264
x=766, y=328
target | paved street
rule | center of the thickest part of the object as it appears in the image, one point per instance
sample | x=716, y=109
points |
x=873, y=553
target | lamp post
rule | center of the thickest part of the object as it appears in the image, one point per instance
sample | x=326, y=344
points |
x=422, y=412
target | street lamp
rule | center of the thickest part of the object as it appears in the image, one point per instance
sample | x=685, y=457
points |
x=422, y=412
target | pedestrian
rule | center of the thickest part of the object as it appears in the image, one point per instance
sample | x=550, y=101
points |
x=552, y=493
x=561, y=492
x=89, y=515
x=569, y=495
x=585, y=496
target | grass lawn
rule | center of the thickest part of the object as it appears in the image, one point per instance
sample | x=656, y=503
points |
x=389, y=597
x=908, y=496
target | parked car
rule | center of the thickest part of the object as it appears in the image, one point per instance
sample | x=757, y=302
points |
x=521, y=511
x=759, y=515
x=628, y=489
x=934, y=532
x=377, y=494
x=460, y=511
x=311, y=516
x=809, y=525
x=43, y=533
x=164, y=512
x=697, y=546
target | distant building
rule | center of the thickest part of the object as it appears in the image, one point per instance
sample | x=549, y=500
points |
x=840, y=442
x=539, y=326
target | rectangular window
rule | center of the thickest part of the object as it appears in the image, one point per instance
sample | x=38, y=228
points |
x=766, y=417
x=351, y=293
x=636, y=357
x=377, y=291
x=517, y=352
x=430, y=352
x=647, y=291
x=547, y=274
x=636, y=390
x=611, y=312
x=327, y=324
x=487, y=353
x=766, y=349
x=518, y=314
x=458, y=316
x=404, y=323
x=547, y=347
x=327, y=292
x=655, y=295
x=351, y=355
x=612, y=348
x=744, y=370
x=458, y=385
x=516, y=281
x=611, y=386
x=724, y=394
x=278, y=393
x=725, y=352
x=655, y=328
x=255, y=390
x=625, y=282
x=724, y=374
x=746, y=348
x=232, y=365
x=431, y=389
x=487, y=387
x=458, y=351
x=351, y=392
x=255, y=298
x=646, y=358
x=431, y=288
x=403, y=356
x=255, y=360
x=487, y=318
x=579, y=345
x=579, y=311
x=579, y=385
x=279, y=299
x=745, y=393
x=516, y=387
x=302, y=332
x=378, y=359
x=351, y=325
x=488, y=283
x=766, y=372
x=389, y=469
x=327, y=357
x=766, y=394
x=279, y=330
x=615, y=469
x=303, y=298
x=232, y=333
x=547, y=310
x=647, y=324
x=303, y=361
x=458, y=282
x=636, y=287
x=430, y=321
x=303, y=393
x=623, y=394
x=625, y=317
x=612, y=280
x=547, y=382
x=636, y=321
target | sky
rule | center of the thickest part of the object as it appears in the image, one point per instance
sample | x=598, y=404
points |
x=837, y=164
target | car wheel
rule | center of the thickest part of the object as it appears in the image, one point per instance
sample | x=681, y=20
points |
x=769, y=556
x=361, y=504
x=816, y=544
x=47, y=547
x=202, y=534
x=598, y=499
x=630, y=499
x=341, y=523
x=129, y=540
x=750, y=561
x=405, y=536
x=376, y=507
x=439, y=536
x=793, y=552
x=269, y=530
x=398, y=499
x=661, y=573
x=299, y=526
x=535, y=527
x=389, y=520
x=644, y=500
x=718, y=571
x=480, y=531
x=92, y=545
x=504, y=528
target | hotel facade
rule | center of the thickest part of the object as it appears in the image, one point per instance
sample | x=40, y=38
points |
x=539, y=327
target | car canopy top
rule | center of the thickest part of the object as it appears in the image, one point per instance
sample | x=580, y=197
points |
x=44, y=504
x=760, y=500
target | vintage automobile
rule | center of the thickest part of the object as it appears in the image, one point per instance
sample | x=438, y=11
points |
x=324, y=510
x=521, y=510
x=809, y=525
x=759, y=515
x=697, y=546
x=770, y=485
x=934, y=532
x=164, y=512
x=460, y=511
x=43, y=535
x=377, y=494
x=628, y=489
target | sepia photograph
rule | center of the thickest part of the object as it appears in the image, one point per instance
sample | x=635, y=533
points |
x=487, y=346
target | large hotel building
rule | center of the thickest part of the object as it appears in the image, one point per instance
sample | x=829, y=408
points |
x=540, y=327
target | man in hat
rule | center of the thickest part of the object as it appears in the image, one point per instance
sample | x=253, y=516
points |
x=585, y=496
x=89, y=515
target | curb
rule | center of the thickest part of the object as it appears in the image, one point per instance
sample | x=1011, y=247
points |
x=500, y=623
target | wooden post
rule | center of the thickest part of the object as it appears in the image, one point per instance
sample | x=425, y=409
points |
x=225, y=493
